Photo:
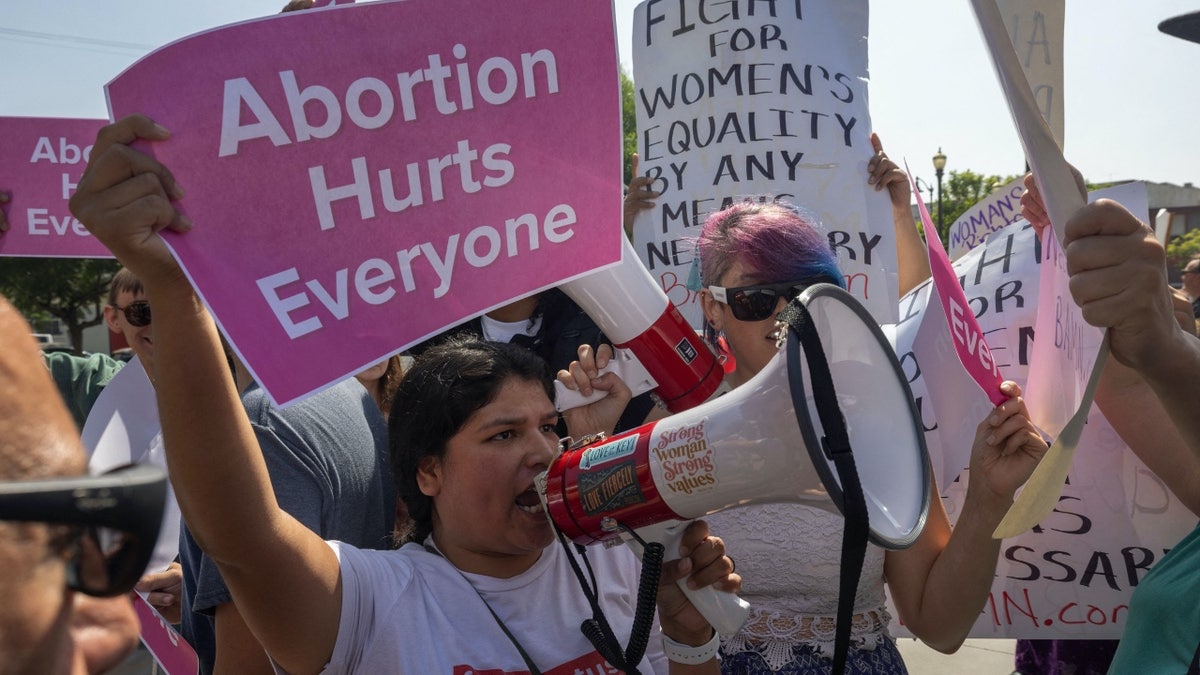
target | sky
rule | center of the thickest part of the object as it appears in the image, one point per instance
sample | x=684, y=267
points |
x=1130, y=97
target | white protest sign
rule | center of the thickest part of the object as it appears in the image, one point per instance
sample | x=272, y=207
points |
x=758, y=101
x=123, y=428
x=1036, y=29
x=991, y=214
x=1071, y=576
x=1053, y=396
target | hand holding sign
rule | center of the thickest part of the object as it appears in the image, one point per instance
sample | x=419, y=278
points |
x=1007, y=448
x=1117, y=278
x=124, y=198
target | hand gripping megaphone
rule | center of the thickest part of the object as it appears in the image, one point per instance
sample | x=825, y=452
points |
x=634, y=312
x=763, y=442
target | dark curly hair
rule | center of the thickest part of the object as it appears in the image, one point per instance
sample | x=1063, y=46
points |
x=438, y=394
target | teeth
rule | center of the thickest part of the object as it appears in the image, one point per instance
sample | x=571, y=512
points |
x=531, y=509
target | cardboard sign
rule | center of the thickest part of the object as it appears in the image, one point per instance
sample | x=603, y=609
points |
x=992, y=214
x=378, y=190
x=1036, y=28
x=758, y=101
x=41, y=160
x=1071, y=576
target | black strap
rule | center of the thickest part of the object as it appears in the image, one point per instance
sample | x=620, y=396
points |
x=1194, y=669
x=837, y=446
x=533, y=669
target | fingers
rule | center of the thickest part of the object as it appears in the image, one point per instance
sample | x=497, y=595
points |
x=125, y=197
x=702, y=561
x=1009, y=427
x=1102, y=217
x=1033, y=209
x=118, y=136
x=994, y=424
x=584, y=374
x=883, y=173
x=163, y=591
x=633, y=165
x=160, y=599
x=169, y=580
x=639, y=195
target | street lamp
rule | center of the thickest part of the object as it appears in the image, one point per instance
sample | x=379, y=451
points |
x=939, y=163
x=924, y=186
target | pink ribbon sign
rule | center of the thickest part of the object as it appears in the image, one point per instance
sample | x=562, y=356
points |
x=363, y=176
x=41, y=160
x=969, y=344
x=169, y=648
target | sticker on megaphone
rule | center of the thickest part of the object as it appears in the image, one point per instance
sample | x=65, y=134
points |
x=625, y=365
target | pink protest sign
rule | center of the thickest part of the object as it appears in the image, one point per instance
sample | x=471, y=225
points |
x=965, y=332
x=421, y=162
x=41, y=160
x=169, y=648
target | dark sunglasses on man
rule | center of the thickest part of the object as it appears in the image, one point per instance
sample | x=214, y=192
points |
x=758, y=302
x=137, y=313
x=114, y=520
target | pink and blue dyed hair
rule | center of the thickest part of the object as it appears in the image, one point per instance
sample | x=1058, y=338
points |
x=774, y=241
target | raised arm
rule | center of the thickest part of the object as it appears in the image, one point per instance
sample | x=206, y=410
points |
x=1118, y=278
x=276, y=569
x=884, y=174
x=940, y=584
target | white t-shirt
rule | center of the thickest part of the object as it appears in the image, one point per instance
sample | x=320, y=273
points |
x=410, y=611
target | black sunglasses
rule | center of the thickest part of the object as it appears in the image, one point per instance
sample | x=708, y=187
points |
x=757, y=302
x=116, y=518
x=137, y=313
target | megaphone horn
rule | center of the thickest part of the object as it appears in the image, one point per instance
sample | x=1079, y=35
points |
x=634, y=312
x=763, y=443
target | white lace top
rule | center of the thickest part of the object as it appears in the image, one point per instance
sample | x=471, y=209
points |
x=789, y=558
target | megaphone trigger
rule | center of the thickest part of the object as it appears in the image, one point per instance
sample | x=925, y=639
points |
x=625, y=365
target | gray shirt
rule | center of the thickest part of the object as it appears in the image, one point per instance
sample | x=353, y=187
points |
x=328, y=460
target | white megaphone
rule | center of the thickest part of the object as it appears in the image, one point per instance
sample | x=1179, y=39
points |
x=634, y=312
x=761, y=443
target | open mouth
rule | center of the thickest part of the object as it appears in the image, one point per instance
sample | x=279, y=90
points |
x=529, y=502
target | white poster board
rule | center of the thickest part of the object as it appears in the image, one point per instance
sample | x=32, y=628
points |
x=1071, y=576
x=758, y=101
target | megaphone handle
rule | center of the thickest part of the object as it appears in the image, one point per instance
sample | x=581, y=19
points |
x=625, y=365
x=725, y=611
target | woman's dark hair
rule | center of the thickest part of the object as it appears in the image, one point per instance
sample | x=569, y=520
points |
x=438, y=394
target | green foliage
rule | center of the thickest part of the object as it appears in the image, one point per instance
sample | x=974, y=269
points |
x=1183, y=248
x=59, y=288
x=960, y=191
x=628, y=126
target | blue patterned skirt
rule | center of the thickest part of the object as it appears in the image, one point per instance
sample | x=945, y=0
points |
x=884, y=659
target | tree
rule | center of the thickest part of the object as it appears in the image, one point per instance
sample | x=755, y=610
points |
x=628, y=126
x=71, y=290
x=960, y=191
x=1183, y=248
